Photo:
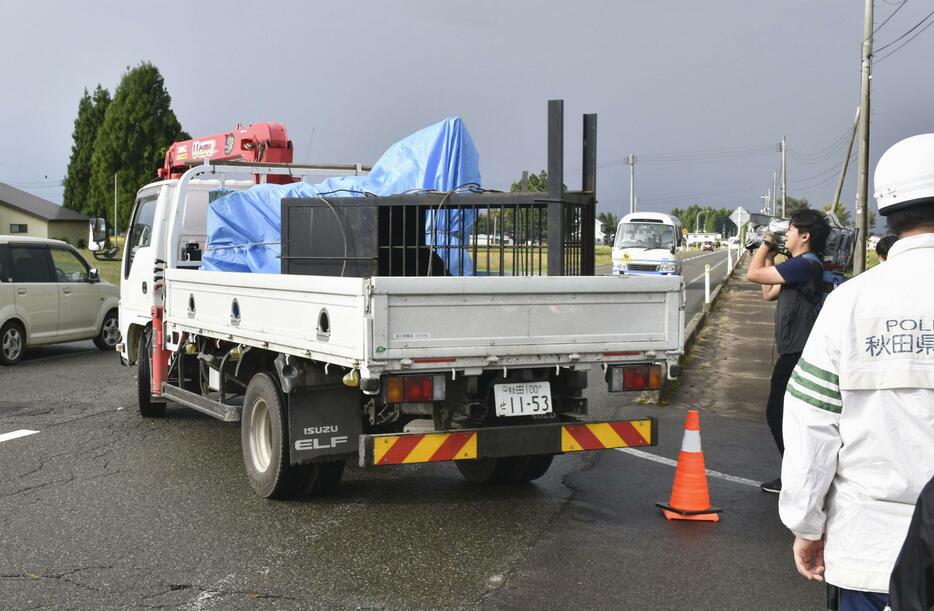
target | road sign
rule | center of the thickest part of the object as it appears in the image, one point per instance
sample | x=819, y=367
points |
x=740, y=216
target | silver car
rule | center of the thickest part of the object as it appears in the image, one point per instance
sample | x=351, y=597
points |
x=49, y=294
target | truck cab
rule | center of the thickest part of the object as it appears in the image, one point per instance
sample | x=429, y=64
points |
x=647, y=243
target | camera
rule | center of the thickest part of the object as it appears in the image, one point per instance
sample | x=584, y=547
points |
x=777, y=227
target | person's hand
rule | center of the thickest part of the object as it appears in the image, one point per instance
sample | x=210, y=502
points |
x=770, y=240
x=809, y=558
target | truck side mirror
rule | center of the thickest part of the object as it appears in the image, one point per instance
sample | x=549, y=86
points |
x=97, y=234
x=94, y=275
x=673, y=249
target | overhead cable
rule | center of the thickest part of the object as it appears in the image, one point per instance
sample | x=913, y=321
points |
x=912, y=29
x=895, y=50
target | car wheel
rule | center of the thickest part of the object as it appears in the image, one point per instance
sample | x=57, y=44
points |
x=12, y=343
x=109, y=335
x=147, y=407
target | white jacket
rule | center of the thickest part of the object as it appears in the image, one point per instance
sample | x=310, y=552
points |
x=859, y=418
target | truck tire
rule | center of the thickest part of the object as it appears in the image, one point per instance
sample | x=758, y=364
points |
x=109, y=334
x=482, y=470
x=147, y=407
x=507, y=470
x=264, y=439
x=12, y=343
x=529, y=468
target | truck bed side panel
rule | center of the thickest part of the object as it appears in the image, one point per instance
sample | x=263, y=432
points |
x=416, y=317
x=283, y=311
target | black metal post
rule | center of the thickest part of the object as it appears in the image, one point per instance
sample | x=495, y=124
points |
x=589, y=185
x=556, y=228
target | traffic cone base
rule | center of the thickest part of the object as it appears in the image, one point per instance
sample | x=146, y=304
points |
x=674, y=514
x=690, y=497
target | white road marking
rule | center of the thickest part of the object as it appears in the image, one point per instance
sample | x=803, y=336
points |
x=712, y=267
x=674, y=463
x=706, y=254
x=16, y=435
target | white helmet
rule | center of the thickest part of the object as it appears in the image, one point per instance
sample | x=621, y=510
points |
x=905, y=174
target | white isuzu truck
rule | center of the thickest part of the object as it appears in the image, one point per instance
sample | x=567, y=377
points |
x=358, y=359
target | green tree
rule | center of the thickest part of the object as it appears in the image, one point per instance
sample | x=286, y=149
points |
x=793, y=204
x=537, y=182
x=706, y=219
x=610, y=221
x=91, y=111
x=138, y=127
x=531, y=224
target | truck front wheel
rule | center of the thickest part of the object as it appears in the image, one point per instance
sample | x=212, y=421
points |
x=264, y=438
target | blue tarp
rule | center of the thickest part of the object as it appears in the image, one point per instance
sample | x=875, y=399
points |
x=244, y=228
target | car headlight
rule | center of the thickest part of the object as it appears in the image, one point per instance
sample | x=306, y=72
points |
x=667, y=267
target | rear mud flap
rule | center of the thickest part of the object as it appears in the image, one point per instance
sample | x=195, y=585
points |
x=323, y=423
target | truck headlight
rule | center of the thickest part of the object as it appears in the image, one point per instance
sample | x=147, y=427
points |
x=668, y=267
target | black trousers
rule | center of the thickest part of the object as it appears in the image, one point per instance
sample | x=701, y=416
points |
x=775, y=407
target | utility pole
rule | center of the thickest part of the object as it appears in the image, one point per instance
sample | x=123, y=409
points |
x=631, y=162
x=772, y=193
x=862, y=180
x=115, y=211
x=784, y=177
x=846, y=162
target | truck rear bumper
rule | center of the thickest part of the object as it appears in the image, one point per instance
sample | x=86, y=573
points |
x=497, y=442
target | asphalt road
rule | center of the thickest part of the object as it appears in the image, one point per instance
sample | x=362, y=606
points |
x=692, y=270
x=103, y=509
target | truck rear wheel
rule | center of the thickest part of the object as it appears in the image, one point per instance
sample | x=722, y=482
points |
x=529, y=468
x=264, y=439
x=147, y=407
x=506, y=470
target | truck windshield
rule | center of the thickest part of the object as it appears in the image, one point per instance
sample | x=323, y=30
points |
x=645, y=235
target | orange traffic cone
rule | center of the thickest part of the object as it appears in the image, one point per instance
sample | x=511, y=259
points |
x=690, y=498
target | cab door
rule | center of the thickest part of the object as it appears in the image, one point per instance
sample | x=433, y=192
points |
x=35, y=290
x=79, y=300
x=139, y=259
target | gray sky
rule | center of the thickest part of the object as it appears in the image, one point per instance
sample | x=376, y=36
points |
x=665, y=77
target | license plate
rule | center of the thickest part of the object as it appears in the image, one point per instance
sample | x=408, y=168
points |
x=524, y=399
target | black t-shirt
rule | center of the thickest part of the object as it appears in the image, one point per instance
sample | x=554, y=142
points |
x=795, y=313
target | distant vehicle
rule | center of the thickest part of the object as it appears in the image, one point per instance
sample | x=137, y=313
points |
x=647, y=243
x=49, y=294
x=708, y=246
x=486, y=240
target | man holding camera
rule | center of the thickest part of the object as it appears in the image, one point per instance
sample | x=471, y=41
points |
x=797, y=284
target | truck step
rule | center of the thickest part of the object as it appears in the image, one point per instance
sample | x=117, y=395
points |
x=221, y=411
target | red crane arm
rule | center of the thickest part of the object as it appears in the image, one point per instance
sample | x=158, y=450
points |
x=260, y=142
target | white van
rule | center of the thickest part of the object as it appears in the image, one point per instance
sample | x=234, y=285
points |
x=647, y=243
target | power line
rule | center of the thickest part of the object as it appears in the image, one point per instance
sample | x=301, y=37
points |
x=893, y=51
x=671, y=199
x=831, y=174
x=898, y=8
x=912, y=29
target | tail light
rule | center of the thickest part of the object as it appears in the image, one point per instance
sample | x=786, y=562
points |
x=635, y=377
x=415, y=389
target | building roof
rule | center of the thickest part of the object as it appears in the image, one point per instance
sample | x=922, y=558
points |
x=36, y=206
